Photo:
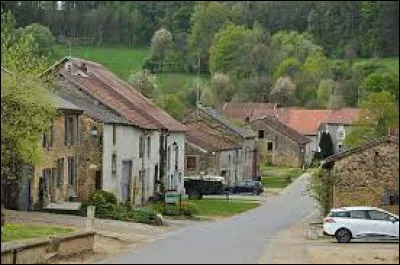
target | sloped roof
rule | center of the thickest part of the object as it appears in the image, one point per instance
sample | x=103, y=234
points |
x=207, y=138
x=89, y=105
x=305, y=121
x=116, y=94
x=244, y=131
x=63, y=104
x=362, y=147
x=249, y=110
x=282, y=128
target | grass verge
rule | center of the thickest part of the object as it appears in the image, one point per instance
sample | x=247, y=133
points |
x=14, y=232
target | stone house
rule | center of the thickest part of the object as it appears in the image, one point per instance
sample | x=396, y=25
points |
x=142, y=147
x=367, y=175
x=309, y=122
x=207, y=152
x=280, y=144
x=55, y=176
x=338, y=125
x=247, y=155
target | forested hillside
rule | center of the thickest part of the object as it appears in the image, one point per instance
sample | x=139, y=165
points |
x=310, y=54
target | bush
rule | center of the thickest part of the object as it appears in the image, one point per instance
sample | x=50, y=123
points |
x=186, y=209
x=101, y=196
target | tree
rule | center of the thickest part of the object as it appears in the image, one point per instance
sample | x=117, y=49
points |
x=160, y=43
x=289, y=67
x=26, y=105
x=326, y=145
x=320, y=188
x=284, y=91
x=43, y=41
x=379, y=113
x=144, y=81
x=377, y=82
x=221, y=85
x=206, y=20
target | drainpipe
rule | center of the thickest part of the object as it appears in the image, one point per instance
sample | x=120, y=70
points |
x=144, y=134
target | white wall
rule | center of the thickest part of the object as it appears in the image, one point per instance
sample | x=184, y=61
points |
x=179, y=139
x=127, y=148
x=233, y=174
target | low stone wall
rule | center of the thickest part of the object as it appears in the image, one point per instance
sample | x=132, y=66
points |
x=40, y=250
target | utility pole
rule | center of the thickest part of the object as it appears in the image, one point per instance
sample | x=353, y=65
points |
x=197, y=86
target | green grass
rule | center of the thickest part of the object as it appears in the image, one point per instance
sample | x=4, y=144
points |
x=279, y=177
x=391, y=64
x=223, y=208
x=121, y=61
x=14, y=232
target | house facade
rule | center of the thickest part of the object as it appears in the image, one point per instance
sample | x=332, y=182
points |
x=142, y=147
x=207, y=152
x=247, y=157
x=367, y=175
x=280, y=144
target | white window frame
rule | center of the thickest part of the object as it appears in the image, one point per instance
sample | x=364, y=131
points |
x=342, y=131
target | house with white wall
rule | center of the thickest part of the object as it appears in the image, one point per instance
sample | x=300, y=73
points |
x=140, y=158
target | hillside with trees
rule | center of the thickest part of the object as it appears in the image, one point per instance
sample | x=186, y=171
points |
x=309, y=54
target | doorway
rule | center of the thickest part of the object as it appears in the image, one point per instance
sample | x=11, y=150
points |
x=126, y=180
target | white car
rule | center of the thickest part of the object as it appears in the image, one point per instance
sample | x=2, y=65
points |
x=360, y=222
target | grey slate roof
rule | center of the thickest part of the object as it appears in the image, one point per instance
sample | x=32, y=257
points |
x=89, y=105
x=244, y=131
x=63, y=104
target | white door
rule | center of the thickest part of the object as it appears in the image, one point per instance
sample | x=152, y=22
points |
x=381, y=224
x=359, y=223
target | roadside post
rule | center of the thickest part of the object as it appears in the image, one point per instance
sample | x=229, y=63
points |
x=90, y=218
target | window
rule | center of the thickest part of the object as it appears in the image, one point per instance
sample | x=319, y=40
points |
x=191, y=163
x=46, y=173
x=114, y=164
x=270, y=146
x=261, y=134
x=141, y=147
x=114, y=134
x=71, y=171
x=148, y=146
x=60, y=172
x=70, y=129
x=377, y=215
x=341, y=134
x=48, y=136
x=358, y=214
x=339, y=214
x=169, y=158
x=176, y=156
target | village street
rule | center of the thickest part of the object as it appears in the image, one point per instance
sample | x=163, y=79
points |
x=240, y=239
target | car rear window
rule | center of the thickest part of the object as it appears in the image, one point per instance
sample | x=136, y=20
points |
x=339, y=214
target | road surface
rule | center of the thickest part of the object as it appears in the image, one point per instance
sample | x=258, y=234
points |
x=241, y=239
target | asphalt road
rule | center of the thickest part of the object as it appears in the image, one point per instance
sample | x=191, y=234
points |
x=237, y=240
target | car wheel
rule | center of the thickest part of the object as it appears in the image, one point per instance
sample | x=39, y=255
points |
x=343, y=235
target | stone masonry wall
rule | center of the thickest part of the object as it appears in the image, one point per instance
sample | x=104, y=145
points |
x=205, y=161
x=90, y=156
x=286, y=152
x=361, y=178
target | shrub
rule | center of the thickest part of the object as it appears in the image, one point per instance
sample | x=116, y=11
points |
x=189, y=209
x=102, y=196
x=144, y=215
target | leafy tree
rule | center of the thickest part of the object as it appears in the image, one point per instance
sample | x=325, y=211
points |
x=379, y=113
x=26, y=105
x=289, y=67
x=284, y=91
x=325, y=89
x=160, y=43
x=320, y=188
x=377, y=82
x=221, y=85
x=144, y=81
x=207, y=19
x=43, y=41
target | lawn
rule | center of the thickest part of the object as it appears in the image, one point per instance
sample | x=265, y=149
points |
x=14, y=232
x=223, y=208
x=278, y=177
x=121, y=61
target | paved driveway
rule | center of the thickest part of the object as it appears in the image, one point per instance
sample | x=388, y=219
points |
x=240, y=239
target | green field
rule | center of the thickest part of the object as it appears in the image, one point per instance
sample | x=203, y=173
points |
x=388, y=63
x=278, y=177
x=14, y=232
x=223, y=208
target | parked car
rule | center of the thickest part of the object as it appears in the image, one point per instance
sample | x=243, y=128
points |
x=247, y=186
x=197, y=186
x=361, y=222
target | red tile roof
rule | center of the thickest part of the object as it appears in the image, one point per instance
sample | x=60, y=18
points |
x=118, y=95
x=305, y=121
x=207, y=138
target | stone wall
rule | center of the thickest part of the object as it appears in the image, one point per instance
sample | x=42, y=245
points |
x=205, y=162
x=362, y=178
x=286, y=152
x=90, y=156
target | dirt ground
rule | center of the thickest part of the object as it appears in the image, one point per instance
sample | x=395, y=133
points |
x=292, y=246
